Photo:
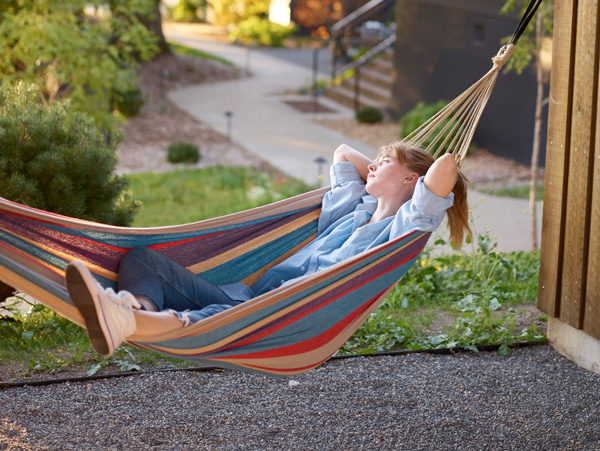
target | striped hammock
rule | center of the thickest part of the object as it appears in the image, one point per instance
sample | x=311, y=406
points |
x=289, y=330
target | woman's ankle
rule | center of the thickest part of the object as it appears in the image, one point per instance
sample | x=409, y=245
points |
x=146, y=303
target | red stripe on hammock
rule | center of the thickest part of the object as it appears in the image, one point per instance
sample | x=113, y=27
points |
x=321, y=339
x=277, y=352
x=169, y=244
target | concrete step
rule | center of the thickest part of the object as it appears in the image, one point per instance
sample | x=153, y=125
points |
x=345, y=96
x=375, y=84
x=379, y=79
x=381, y=64
x=372, y=91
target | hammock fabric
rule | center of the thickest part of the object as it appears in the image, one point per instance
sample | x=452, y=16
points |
x=287, y=331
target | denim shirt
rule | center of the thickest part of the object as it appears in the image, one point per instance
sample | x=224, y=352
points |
x=342, y=230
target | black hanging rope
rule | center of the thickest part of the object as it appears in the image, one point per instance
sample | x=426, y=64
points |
x=529, y=13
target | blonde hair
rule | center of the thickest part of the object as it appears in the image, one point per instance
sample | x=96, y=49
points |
x=419, y=161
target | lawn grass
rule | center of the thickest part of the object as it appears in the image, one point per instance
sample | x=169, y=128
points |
x=183, y=50
x=518, y=192
x=190, y=195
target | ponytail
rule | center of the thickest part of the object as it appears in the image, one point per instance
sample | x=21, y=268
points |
x=458, y=214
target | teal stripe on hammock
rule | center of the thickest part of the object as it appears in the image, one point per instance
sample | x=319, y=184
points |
x=32, y=277
x=254, y=260
x=32, y=250
x=319, y=321
x=363, y=293
x=48, y=257
x=126, y=240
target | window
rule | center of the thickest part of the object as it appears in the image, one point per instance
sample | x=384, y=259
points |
x=478, y=35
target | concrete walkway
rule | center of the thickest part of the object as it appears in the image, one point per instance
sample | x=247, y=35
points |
x=262, y=122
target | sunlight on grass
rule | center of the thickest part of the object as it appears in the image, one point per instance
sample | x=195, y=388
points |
x=183, y=50
x=190, y=195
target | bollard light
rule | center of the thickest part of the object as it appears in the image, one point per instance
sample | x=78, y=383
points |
x=320, y=162
x=229, y=116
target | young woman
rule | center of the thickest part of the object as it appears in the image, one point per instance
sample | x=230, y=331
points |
x=369, y=204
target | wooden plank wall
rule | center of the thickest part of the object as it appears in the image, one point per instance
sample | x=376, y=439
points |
x=569, y=286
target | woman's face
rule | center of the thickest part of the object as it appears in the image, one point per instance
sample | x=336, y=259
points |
x=388, y=176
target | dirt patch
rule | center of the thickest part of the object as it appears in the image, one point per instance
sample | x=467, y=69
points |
x=525, y=315
x=161, y=123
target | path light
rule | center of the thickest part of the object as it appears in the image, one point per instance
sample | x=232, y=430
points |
x=229, y=116
x=320, y=162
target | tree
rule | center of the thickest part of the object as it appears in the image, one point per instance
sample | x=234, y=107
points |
x=231, y=12
x=84, y=50
x=56, y=160
x=153, y=22
x=527, y=51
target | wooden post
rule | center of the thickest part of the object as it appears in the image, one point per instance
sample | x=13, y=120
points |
x=559, y=135
x=569, y=286
x=591, y=321
x=579, y=182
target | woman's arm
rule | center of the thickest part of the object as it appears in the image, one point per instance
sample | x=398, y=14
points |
x=360, y=161
x=441, y=176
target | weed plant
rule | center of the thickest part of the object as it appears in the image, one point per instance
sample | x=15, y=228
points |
x=479, y=293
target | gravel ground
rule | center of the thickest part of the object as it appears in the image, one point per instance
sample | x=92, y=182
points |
x=532, y=400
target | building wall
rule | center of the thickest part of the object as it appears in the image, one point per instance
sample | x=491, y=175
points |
x=444, y=47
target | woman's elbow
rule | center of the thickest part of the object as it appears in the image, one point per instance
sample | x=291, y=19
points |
x=341, y=153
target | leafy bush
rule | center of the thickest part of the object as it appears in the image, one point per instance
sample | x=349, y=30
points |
x=416, y=117
x=187, y=10
x=480, y=292
x=182, y=152
x=369, y=115
x=231, y=12
x=130, y=102
x=261, y=31
x=70, y=50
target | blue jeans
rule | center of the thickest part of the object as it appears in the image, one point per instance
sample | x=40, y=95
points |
x=171, y=286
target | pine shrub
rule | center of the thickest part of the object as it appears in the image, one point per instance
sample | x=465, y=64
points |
x=56, y=160
x=183, y=152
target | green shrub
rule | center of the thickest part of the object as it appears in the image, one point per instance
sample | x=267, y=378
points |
x=261, y=31
x=182, y=152
x=231, y=12
x=87, y=57
x=187, y=10
x=416, y=117
x=56, y=160
x=130, y=102
x=369, y=115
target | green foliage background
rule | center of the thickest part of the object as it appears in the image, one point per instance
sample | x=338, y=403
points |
x=84, y=50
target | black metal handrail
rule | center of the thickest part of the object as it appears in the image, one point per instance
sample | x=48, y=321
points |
x=357, y=32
